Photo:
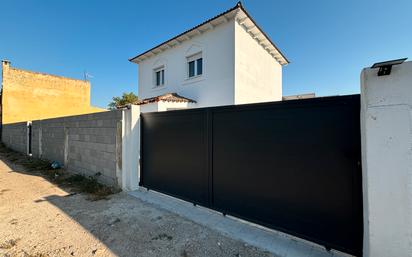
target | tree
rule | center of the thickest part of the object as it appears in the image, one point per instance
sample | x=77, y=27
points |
x=126, y=98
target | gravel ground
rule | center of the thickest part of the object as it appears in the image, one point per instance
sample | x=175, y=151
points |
x=37, y=218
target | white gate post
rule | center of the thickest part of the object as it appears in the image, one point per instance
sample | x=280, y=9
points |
x=386, y=118
x=130, y=148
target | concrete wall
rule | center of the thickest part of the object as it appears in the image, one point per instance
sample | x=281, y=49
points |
x=14, y=136
x=31, y=95
x=386, y=117
x=214, y=87
x=85, y=144
x=258, y=76
x=130, y=172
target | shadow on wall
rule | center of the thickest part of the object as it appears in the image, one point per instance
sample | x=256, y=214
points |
x=86, y=144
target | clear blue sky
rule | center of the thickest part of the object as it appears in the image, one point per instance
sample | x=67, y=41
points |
x=328, y=42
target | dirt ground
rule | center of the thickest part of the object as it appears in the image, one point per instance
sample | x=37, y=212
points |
x=37, y=218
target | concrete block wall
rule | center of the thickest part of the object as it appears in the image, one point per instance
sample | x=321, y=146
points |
x=14, y=136
x=86, y=144
x=92, y=142
x=52, y=139
x=36, y=137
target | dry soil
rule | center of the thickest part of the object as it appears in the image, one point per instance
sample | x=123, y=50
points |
x=38, y=218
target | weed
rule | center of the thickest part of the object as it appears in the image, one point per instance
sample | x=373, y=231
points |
x=31, y=164
x=162, y=236
x=79, y=183
x=35, y=255
x=9, y=244
x=89, y=185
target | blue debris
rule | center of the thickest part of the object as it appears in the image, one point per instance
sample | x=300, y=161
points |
x=56, y=165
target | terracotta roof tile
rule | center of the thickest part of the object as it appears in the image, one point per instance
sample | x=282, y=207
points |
x=169, y=97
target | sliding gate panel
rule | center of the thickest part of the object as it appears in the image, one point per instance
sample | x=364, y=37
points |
x=174, y=154
x=293, y=166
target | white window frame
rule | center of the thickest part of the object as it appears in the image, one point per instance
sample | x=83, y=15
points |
x=162, y=78
x=194, y=58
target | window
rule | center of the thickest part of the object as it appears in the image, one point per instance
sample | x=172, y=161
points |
x=159, y=78
x=199, y=66
x=195, y=65
x=191, y=69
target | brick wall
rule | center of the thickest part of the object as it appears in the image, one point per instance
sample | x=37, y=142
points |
x=85, y=144
x=14, y=136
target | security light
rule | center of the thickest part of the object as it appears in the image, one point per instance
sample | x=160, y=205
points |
x=385, y=68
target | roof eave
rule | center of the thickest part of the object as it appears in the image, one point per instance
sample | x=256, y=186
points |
x=281, y=58
x=187, y=31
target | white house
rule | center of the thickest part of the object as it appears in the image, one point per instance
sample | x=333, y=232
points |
x=225, y=60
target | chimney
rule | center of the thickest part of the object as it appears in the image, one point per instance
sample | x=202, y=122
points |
x=5, y=64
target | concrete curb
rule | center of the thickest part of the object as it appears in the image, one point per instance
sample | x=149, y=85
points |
x=276, y=242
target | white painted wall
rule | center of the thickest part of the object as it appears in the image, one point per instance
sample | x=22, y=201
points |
x=214, y=87
x=165, y=106
x=150, y=107
x=236, y=70
x=258, y=76
x=130, y=171
x=386, y=118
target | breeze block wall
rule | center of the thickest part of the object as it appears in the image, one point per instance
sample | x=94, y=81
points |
x=92, y=145
x=48, y=139
x=14, y=136
x=86, y=144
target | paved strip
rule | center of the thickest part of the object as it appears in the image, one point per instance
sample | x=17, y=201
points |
x=276, y=242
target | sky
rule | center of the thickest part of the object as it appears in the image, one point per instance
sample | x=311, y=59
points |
x=328, y=42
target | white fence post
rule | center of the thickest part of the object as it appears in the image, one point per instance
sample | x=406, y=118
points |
x=386, y=119
x=130, y=148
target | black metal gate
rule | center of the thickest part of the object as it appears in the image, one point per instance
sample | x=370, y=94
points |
x=293, y=166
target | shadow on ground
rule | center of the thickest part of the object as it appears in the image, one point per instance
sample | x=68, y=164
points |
x=54, y=221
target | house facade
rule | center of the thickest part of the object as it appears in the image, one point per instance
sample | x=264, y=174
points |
x=225, y=60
